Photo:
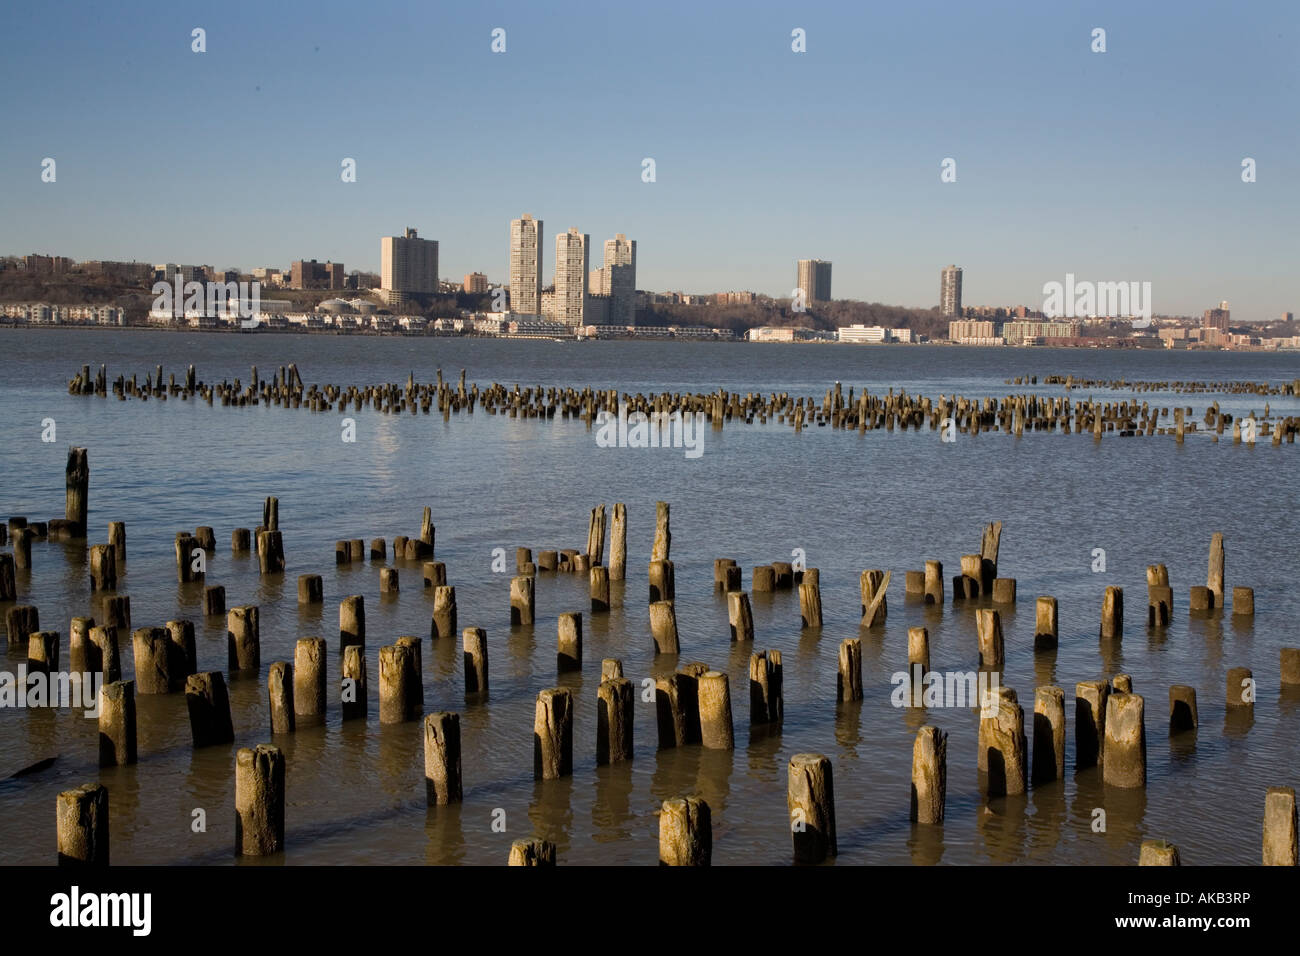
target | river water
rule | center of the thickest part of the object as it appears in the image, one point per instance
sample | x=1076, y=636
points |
x=886, y=500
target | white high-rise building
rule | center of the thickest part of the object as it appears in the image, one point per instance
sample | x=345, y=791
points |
x=950, y=291
x=619, y=281
x=526, y=265
x=571, y=280
x=409, y=266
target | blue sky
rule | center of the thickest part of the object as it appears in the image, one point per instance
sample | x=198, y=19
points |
x=1123, y=165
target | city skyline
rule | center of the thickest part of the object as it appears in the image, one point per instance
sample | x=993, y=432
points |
x=1112, y=166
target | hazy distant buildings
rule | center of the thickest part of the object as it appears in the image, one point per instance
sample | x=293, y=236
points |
x=572, y=251
x=860, y=334
x=1217, y=318
x=1034, y=332
x=316, y=275
x=813, y=276
x=526, y=265
x=619, y=279
x=47, y=265
x=974, y=332
x=475, y=283
x=950, y=291
x=409, y=267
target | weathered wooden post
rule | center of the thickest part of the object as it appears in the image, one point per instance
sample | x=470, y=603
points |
x=388, y=582
x=117, y=740
x=929, y=774
x=475, y=653
x=1049, y=735
x=663, y=536
x=427, y=532
x=279, y=686
x=243, y=640
x=443, y=622
x=933, y=582
x=599, y=586
x=1112, y=614
x=663, y=584
x=714, y=700
x=310, y=589
x=1003, y=747
x=1182, y=708
x=182, y=655
x=1289, y=667
x=43, y=652
x=309, y=682
x=400, y=686
x=117, y=538
x=8, y=587
x=102, y=654
x=810, y=798
x=685, y=832
x=151, y=648
x=23, y=548
x=663, y=627
x=103, y=568
x=611, y=667
x=1158, y=852
x=1125, y=763
x=354, y=690
x=82, y=826
x=1241, y=687
x=848, y=682
x=190, y=558
x=810, y=604
x=21, y=621
x=80, y=652
x=988, y=625
x=77, y=498
x=1243, y=602
x=352, y=622
x=206, y=537
x=214, y=600
x=522, y=600
x=618, y=545
x=532, y=853
x=614, y=703
x=763, y=579
x=241, y=540
x=1090, y=704
x=435, y=573
x=766, y=705
x=442, y=772
x=208, y=704
x=270, y=552
x=568, y=651
x=1280, y=844
x=968, y=583
x=596, y=537
x=271, y=513
x=553, y=734
x=259, y=800
x=740, y=615
x=1214, y=579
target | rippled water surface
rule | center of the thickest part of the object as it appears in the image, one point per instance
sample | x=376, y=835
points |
x=884, y=499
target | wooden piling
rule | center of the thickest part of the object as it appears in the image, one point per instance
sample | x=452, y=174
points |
x=596, y=537
x=241, y=540
x=740, y=615
x=279, y=686
x=766, y=705
x=848, y=682
x=214, y=600
x=117, y=739
x=1214, y=578
x=663, y=627
x=475, y=653
x=1280, y=844
x=810, y=604
x=763, y=579
x=442, y=769
x=553, y=734
x=1243, y=602
x=568, y=653
x=1240, y=687
x=599, y=587
x=663, y=536
x=443, y=623
x=309, y=680
x=714, y=697
x=81, y=653
x=929, y=775
x=243, y=639
x=685, y=832
x=1125, y=749
x=933, y=582
x=618, y=544
x=259, y=800
x=182, y=654
x=400, y=684
x=208, y=704
x=1112, y=614
x=532, y=853
x=8, y=586
x=102, y=653
x=988, y=625
x=117, y=539
x=810, y=799
x=82, y=826
x=311, y=589
x=352, y=622
x=1003, y=746
x=1158, y=852
x=1090, y=704
x=103, y=568
x=77, y=498
x=614, y=712
x=21, y=621
x=189, y=558
x=388, y=582
x=151, y=647
x=1182, y=708
x=663, y=585
x=522, y=600
x=354, y=691
x=1049, y=735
